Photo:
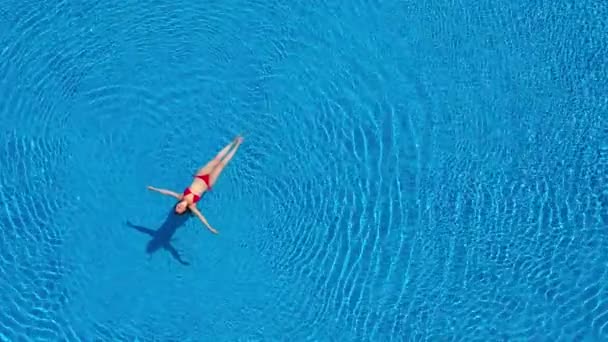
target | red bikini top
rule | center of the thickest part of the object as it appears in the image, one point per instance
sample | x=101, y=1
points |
x=195, y=197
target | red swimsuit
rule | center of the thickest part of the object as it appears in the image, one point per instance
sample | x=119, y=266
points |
x=195, y=197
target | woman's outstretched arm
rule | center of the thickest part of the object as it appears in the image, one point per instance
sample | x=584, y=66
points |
x=165, y=192
x=202, y=218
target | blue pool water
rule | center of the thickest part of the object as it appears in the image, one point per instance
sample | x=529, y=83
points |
x=411, y=171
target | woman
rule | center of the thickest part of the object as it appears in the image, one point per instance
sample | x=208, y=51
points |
x=204, y=179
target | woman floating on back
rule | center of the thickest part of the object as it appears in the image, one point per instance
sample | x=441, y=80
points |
x=204, y=179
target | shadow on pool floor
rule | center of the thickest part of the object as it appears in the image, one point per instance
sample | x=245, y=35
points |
x=161, y=238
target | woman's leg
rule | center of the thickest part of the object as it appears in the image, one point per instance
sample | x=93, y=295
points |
x=219, y=167
x=214, y=162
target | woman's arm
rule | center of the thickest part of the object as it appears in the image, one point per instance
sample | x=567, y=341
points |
x=203, y=219
x=166, y=192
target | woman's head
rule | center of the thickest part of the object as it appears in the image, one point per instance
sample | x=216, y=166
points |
x=181, y=206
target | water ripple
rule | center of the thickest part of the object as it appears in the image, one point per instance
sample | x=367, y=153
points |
x=411, y=170
x=397, y=192
x=31, y=244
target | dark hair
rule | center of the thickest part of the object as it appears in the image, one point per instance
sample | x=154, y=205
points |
x=175, y=205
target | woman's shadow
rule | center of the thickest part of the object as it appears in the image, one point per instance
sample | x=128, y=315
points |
x=161, y=238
